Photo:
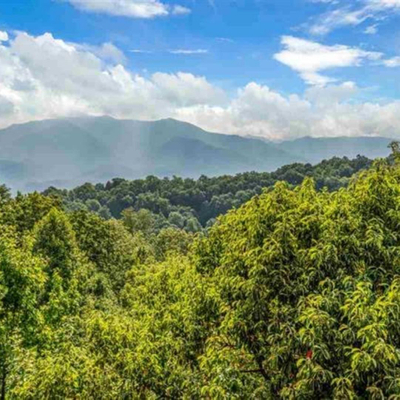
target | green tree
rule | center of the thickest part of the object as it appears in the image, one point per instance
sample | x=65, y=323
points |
x=21, y=284
x=308, y=285
x=93, y=205
x=5, y=195
x=66, y=268
x=172, y=240
x=138, y=221
x=176, y=219
x=24, y=211
x=193, y=225
x=109, y=246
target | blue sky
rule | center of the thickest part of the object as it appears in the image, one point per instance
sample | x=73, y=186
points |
x=240, y=59
x=240, y=36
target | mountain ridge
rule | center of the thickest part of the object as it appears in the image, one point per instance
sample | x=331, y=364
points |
x=81, y=149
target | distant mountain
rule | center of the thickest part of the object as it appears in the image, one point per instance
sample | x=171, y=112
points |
x=315, y=150
x=75, y=150
x=67, y=152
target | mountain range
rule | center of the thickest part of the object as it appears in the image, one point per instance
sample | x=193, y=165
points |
x=70, y=151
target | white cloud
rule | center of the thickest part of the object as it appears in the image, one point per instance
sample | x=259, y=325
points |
x=392, y=62
x=140, y=51
x=184, y=89
x=110, y=52
x=371, y=30
x=332, y=94
x=188, y=51
x=43, y=77
x=344, y=16
x=382, y=4
x=3, y=36
x=256, y=110
x=310, y=58
x=353, y=14
x=180, y=10
x=106, y=52
x=129, y=8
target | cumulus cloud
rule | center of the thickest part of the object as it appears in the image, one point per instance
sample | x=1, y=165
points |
x=309, y=58
x=44, y=77
x=106, y=52
x=3, y=36
x=129, y=8
x=259, y=111
x=184, y=89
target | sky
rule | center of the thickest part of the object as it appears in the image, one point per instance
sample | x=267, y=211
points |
x=280, y=69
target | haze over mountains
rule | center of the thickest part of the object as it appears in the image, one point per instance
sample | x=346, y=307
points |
x=71, y=151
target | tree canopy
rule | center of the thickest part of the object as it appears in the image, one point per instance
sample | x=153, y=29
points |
x=195, y=204
x=293, y=295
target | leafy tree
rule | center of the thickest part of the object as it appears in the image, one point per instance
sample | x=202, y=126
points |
x=109, y=246
x=172, y=240
x=138, y=221
x=308, y=285
x=193, y=225
x=93, y=205
x=176, y=219
x=23, y=212
x=66, y=269
x=104, y=213
x=21, y=283
x=54, y=240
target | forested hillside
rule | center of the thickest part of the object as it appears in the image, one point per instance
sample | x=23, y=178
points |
x=194, y=204
x=294, y=295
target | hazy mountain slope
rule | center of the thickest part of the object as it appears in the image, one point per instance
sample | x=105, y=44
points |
x=11, y=172
x=126, y=136
x=51, y=150
x=192, y=155
x=315, y=150
x=253, y=149
x=70, y=151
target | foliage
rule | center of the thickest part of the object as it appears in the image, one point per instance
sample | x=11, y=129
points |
x=193, y=204
x=293, y=295
x=309, y=292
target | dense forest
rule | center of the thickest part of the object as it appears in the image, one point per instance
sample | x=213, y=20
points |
x=293, y=295
x=195, y=204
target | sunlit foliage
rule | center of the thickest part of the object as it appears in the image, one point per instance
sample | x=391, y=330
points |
x=294, y=295
x=154, y=204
